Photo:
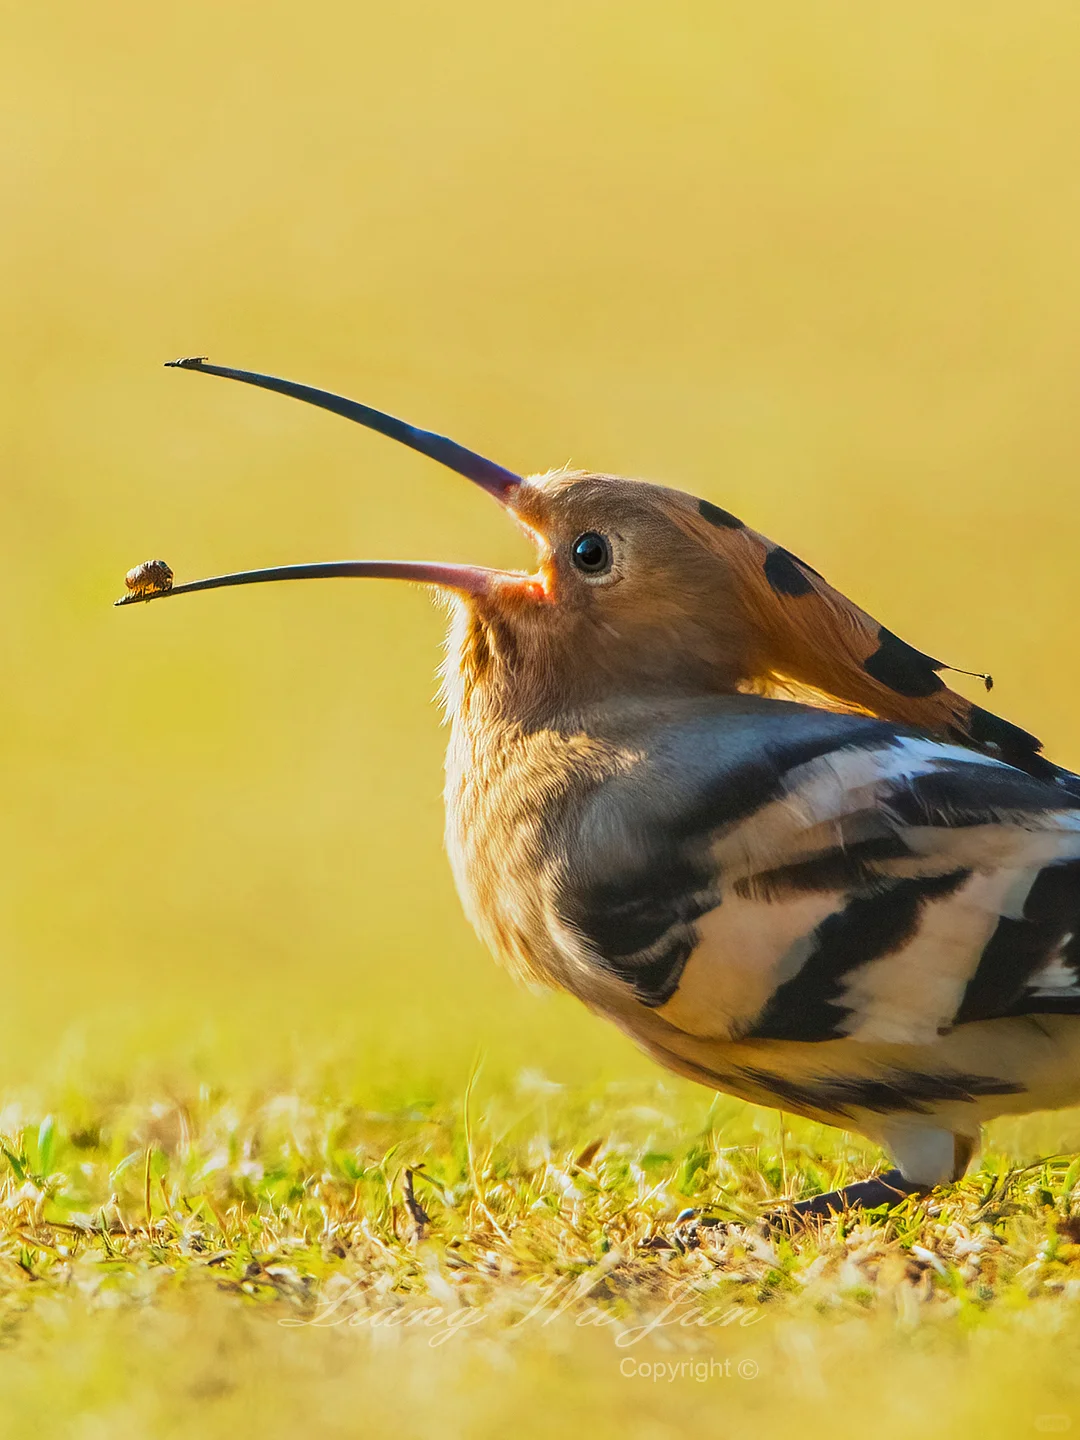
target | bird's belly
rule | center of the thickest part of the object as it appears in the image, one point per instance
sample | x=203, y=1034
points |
x=966, y=1077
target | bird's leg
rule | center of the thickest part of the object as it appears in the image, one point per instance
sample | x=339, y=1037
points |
x=886, y=1189
x=929, y=1156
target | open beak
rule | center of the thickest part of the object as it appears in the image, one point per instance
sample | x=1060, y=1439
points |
x=470, y=579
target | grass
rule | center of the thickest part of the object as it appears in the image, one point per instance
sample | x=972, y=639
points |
x=426, y=1264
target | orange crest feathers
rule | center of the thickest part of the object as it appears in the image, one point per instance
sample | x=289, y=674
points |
x=807, y=632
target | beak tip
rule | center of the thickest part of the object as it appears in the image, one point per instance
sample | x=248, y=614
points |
x=188, y=362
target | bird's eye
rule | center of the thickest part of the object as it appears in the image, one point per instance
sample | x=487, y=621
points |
x=591, y=554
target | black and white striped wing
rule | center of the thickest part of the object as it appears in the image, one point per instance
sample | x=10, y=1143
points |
x=782, y=873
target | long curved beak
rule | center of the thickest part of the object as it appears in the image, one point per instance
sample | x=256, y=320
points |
x=467, y=579
x=495, y=479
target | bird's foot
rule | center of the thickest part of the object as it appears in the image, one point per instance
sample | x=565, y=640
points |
x=887, y=1189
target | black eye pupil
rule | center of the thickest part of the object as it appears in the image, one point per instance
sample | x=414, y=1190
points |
x=592, y=553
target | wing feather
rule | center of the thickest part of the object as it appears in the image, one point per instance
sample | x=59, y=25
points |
x=781, y=873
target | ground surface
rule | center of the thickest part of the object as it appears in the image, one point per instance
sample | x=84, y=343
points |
x=217, y=1264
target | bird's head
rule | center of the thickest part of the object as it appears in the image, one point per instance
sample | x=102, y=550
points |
x=628, y=598
x=640, y=591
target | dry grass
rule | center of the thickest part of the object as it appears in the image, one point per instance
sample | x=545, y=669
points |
x=193, y=1266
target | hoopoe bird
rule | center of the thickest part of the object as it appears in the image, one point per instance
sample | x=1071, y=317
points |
x=694, y=785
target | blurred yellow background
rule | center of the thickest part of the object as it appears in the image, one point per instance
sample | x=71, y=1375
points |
x=817, y=262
